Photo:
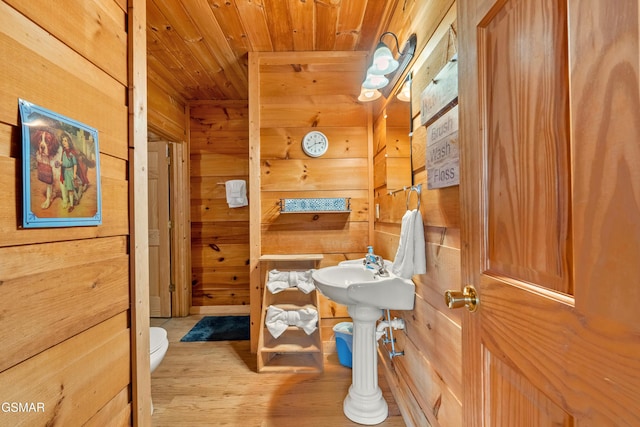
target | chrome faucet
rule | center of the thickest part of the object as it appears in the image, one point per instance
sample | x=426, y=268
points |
x=376, y=262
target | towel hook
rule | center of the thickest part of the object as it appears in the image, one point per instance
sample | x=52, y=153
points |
x=418, y=190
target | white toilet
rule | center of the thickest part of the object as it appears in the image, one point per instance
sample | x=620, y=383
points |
x=158, y=345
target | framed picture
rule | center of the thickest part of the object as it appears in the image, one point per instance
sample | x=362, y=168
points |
x=60, y=169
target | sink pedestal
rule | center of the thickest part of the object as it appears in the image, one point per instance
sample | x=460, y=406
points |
x=364, y=404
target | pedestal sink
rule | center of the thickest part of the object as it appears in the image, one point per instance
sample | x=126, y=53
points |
x=366, y=294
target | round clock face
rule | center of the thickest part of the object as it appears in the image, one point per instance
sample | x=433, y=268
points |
x=315, y=144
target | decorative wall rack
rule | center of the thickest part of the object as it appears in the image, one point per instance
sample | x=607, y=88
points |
x=316, y=205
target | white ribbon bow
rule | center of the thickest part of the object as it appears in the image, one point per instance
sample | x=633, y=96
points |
x=281, y=280
x=278, y=320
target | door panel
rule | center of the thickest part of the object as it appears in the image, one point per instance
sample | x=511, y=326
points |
x=523, y=54
x=519, y=396
x=159, y=242
x=550, y=187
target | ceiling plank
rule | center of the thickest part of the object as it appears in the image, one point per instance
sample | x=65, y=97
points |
x=302, y=18
x=227, y=15
x=326, y=20
x=200, y=47
x=279, y=22
x=349, y=24
x=254, y=21
x=214, y=38
x=375, y=22
x=177, y=44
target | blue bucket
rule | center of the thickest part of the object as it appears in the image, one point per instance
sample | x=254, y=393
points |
x=343, y=332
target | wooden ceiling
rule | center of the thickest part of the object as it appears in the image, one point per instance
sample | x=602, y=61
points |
x=200, y=47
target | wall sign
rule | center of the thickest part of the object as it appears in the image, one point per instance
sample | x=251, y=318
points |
x=440, y=93
x=443, y=156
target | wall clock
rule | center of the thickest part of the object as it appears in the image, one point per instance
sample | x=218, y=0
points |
x=315, y=144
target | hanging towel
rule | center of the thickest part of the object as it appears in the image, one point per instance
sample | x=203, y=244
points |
x=410, y=257
x=281, y=280
x=236, y=193
x=278, y=320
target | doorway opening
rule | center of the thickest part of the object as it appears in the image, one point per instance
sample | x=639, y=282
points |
x=169, y=228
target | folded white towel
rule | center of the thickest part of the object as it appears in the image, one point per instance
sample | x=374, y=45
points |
x=236, y=190
x=411, y=255
x=278, y=320
x=281, y=280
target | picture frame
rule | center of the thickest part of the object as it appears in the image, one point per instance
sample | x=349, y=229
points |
x=60, y=170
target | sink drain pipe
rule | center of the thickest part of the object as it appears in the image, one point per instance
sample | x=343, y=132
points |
x=385, y=328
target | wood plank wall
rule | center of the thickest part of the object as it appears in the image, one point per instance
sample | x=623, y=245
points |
x=64, y=292
x=167, y=116
x=297, y=92
x=427, y=379
x=219, y=133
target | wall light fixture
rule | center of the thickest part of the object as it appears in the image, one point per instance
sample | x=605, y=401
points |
x=385, y=70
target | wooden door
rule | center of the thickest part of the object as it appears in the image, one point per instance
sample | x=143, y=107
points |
x=550, y=186
x=159, y=239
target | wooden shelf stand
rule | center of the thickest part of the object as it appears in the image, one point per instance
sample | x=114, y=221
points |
x=294, y=350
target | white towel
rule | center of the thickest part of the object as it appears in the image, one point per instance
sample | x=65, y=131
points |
x=278, y=320
x=236, y=193
x=410, y=257
x=281, y=280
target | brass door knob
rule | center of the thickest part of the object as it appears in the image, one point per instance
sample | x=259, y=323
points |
x=467, y=298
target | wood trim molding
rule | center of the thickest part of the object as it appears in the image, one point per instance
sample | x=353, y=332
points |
x=181, y=229
x=255, y=296
x=220, y=310
x=138, y=215
x=370, y=174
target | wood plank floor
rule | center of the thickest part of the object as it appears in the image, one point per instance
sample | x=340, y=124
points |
x=216, y=384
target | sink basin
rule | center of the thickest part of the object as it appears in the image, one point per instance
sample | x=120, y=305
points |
x=352, y=284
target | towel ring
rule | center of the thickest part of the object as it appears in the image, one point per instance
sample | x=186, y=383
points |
x=417, y=189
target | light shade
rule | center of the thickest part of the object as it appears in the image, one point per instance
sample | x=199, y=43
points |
x=383, y=61
x=405, y=92
x=375, y=81
x=404, y=59
x=367, y=95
